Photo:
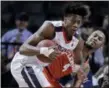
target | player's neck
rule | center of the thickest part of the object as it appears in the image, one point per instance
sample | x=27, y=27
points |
x=68, y=38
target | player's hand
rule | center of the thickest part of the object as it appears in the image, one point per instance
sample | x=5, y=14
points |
x=86, y=67
x=81, y=75
x=80, y=78
x=55, y=53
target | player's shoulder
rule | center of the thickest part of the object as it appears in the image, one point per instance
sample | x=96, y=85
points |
x=55, y=23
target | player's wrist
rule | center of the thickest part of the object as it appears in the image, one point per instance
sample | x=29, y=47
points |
x=79, y=81
x=46, y=51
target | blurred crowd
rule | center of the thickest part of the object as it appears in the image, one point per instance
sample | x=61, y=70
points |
x=12, y=39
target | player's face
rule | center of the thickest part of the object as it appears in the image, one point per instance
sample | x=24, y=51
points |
x=96, y=39
x=21, y=24
x=72, y=23
x=86, y=31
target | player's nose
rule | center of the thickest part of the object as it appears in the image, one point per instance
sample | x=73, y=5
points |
x=75, y=25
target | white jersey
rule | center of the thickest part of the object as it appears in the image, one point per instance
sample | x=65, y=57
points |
x=20, y=62
x=59, y=38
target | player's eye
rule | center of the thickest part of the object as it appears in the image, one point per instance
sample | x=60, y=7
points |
x=78, y=22
x=95, y=35
x=100, y=38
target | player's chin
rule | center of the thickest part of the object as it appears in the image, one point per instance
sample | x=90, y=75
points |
x=94, y=46
x=73, y=32
x=89, y=46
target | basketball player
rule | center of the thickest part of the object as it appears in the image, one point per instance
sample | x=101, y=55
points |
x=64, y=64
x=62, y=32
x=94, y=41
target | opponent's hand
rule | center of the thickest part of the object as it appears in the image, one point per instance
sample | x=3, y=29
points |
x=81, y=75
x=86, y=67
x=84, y=70
x=80, y=78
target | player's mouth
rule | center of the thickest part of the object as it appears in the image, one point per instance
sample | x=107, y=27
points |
x=74, y=29
x=93, y=42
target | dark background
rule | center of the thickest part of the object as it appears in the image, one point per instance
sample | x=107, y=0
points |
x=43, y=10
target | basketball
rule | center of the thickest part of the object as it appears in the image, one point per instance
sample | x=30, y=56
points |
x=45, y=43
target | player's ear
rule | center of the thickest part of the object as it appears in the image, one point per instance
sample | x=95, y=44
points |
x=103, y=44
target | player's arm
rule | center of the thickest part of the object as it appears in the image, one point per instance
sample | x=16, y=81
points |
x=77, y=52
x=46, y=31
x=78, y=84
x=80, y=78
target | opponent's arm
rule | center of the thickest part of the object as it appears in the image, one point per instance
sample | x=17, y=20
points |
x=80, y=79
x=77, y=52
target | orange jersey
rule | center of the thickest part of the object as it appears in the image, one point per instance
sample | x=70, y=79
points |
x=61, y=66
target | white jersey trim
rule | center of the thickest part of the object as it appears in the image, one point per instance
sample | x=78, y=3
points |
x=56, y=23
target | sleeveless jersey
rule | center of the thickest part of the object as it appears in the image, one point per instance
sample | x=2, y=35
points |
x=64, y=64
x=61, y=66
x=60, y=39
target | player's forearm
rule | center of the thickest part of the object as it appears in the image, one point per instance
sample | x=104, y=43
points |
x=29, y=50
x=78, y=84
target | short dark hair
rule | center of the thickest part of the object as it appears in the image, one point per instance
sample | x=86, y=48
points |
x=76, y=8
x=22, y=16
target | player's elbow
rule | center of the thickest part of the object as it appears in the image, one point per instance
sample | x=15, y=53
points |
x=22, y=49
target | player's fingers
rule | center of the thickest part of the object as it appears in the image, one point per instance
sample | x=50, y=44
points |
x=53, y=47
x=55, y=55
x=52, y=56
x=81, y=70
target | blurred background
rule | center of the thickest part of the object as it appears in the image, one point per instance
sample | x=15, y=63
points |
x=40, y=11
x=36, y=13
